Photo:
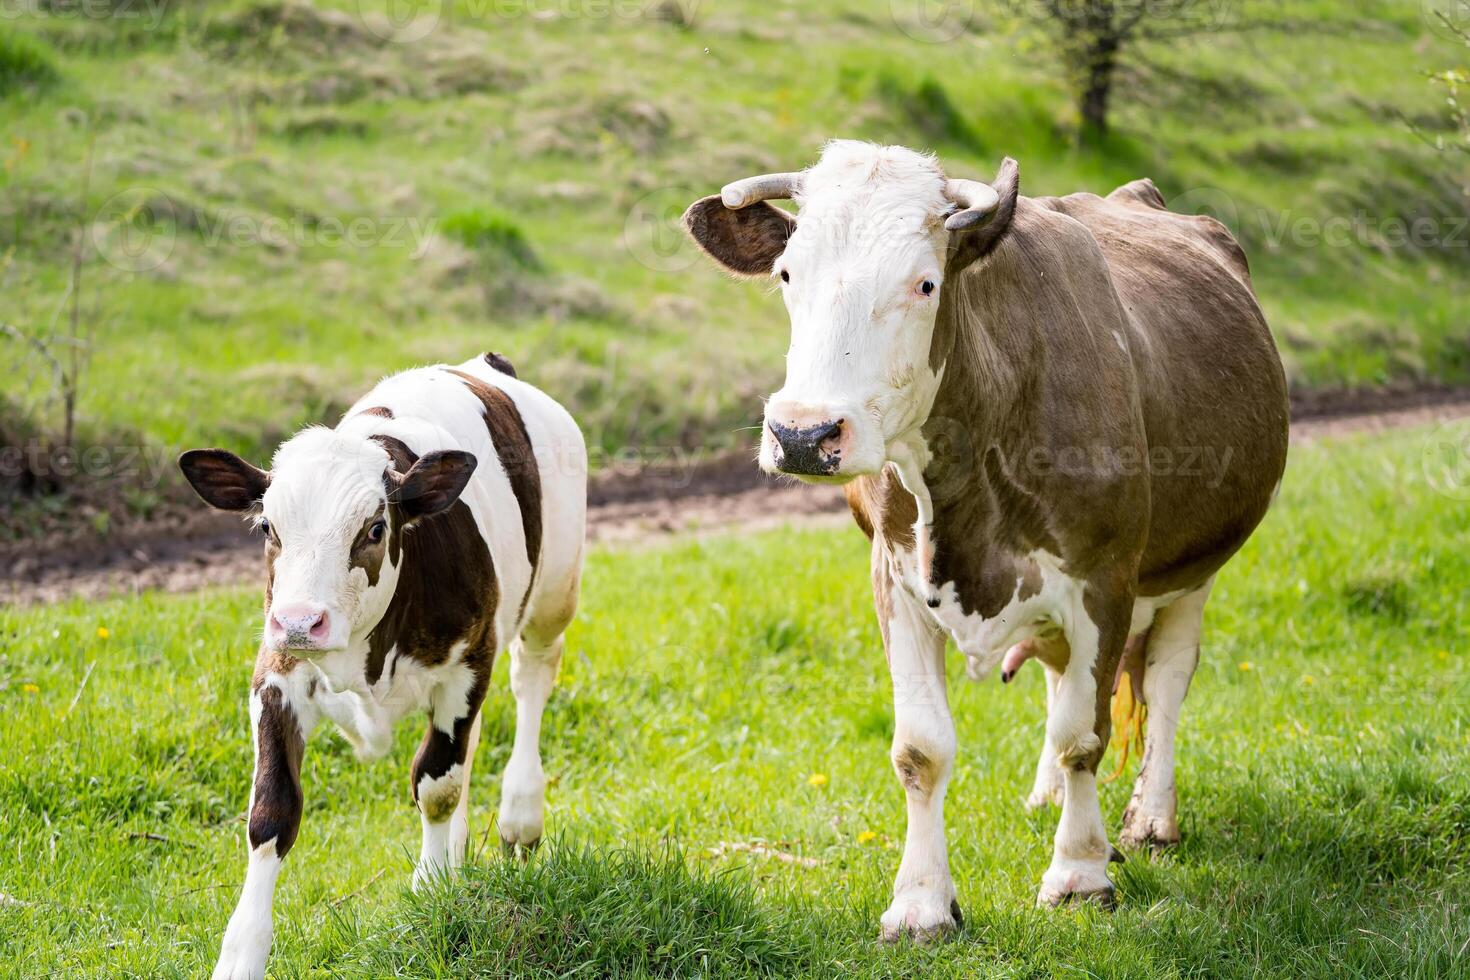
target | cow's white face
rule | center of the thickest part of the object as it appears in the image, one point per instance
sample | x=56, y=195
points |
x=861, y=277
x=331, y=508
x=861, y=268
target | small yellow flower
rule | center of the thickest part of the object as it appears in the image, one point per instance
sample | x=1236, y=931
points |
x=1308, y=679
x=867, y=837
x=1444, y=655
x=1247, y=665
x=30, y=688
x=817, y=779
x=103, y=633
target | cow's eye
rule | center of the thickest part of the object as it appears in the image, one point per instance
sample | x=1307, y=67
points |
x=265, y=526
x=927, y=287
x=785, y=276
x=375, y=533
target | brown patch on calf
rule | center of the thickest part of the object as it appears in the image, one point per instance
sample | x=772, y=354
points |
x=381, y=411
x=276, y=811
x=513, y=445
x=499, y=363
x=368, y=555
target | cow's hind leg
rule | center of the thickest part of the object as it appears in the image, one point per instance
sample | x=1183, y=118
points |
x=1172, y=655
x=1079, y=725
x=441, y=769
x=533, y=667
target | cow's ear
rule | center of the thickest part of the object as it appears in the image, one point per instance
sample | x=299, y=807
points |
x=974, y=232
x=747, y=241
x=433, y=483
x=223, y=479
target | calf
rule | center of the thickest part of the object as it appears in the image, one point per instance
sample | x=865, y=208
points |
x=440, y=522
x=1056, y=419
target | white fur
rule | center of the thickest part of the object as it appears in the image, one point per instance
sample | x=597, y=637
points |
x=247, y=941
x=870, y=229
x=923, y=891
x=1170, y=661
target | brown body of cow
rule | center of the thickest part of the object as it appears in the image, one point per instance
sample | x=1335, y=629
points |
x=1108, y=426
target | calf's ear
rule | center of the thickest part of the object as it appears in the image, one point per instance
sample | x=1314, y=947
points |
x=746, y=242
x=433, y=483
x=223, y=479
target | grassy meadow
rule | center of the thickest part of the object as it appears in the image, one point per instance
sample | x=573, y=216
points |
x=722, y=803
x=276, y=205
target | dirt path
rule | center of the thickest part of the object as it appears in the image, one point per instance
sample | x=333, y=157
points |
x=196, y=549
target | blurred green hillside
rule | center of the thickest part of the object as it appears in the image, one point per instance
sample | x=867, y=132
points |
x=278, y=203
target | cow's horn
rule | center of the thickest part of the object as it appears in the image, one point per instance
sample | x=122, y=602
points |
x=766, y=187
x=977, y=202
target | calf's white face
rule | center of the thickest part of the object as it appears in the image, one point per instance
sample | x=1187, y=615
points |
x=331, y=509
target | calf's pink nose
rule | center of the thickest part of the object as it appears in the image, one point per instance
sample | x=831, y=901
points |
x=300, y=620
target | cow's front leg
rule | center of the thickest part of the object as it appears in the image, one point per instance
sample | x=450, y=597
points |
x=533, y=669
x=924, y=904
x=1078, y=725
x=275, y=817
x=441, y=772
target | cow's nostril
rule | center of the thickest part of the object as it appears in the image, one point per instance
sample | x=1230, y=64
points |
x=829, y=431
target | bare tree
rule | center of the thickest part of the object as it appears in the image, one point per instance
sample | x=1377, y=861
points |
x=1092, y=38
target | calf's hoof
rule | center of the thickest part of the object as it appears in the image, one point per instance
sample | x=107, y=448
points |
x=920, y=920
x=1060, y=886
x=1144, y=832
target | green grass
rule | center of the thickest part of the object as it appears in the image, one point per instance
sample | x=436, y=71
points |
x=575, y=140
x=1325, y=795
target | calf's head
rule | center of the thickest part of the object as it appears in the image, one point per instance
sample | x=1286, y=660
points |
x=862, y=268
x=331, y=509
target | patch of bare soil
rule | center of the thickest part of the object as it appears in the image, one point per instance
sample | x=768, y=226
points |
x=184, y=547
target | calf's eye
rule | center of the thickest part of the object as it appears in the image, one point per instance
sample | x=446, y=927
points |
x=375, y=533
x=785, y=276
x=265, y=527
x=927, y=287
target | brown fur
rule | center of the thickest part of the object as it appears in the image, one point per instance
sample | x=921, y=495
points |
x=276, y=814
x=746, y=242
x=513, y=445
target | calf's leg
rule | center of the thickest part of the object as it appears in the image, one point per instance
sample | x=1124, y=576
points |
x=441, y=770
x=533, y=666
x=1169, y=662
x=275, y=817
x=924, y=901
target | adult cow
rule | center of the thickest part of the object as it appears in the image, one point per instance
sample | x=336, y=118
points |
x=440, y=522
x=1056, y=418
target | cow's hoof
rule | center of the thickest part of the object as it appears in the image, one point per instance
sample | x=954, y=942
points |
x=1077, y=883
x=519, y=849
x=920, y=920
x=1141, y=832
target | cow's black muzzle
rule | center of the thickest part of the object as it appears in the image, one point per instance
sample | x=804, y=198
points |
x=807, y=452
